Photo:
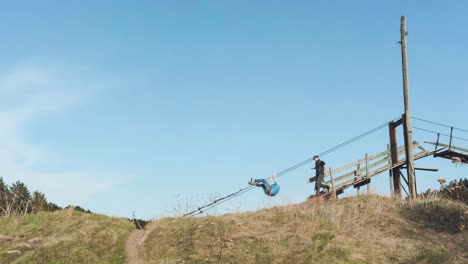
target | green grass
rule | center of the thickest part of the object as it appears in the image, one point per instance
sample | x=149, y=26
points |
x=63, y=237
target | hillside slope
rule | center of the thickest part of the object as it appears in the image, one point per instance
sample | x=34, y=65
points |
x=366, y=229
x=65, y=236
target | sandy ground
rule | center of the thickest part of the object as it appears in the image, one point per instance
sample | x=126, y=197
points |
x=134, y=241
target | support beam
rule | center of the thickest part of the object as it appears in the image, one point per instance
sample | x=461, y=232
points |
x=405, y=190
x=451, y=133
x=394, y=155
x=390, y=171
x=426, y=169
x=403, y=177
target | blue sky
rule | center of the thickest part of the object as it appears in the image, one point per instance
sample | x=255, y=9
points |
x=158, y=106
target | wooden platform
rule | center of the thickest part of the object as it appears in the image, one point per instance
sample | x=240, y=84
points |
x=359, y=173
x=453, y=153
x=453, y=156
x=362, y=180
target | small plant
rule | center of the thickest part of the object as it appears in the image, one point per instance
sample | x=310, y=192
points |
x=435, y=212
x=79, y=209
x=456, y=190
x=430, y=255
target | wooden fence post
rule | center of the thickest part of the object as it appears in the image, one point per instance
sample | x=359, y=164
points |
x=390, y=171
x=367, y=173
x=333, y=184
x=358, y=171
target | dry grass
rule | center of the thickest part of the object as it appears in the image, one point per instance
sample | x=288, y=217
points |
x=366, y=229
x=438, y=213
x=63, y=237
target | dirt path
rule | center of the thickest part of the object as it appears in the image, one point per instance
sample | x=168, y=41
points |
x=134, y=241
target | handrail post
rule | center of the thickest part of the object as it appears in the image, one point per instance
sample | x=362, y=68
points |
x=358, y=172
x=450, y=144
x=333, y=184
x=367, y=173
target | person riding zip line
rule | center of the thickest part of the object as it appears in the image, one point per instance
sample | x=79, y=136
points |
x=270, y=186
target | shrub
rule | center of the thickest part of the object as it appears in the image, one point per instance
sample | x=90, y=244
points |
x=456, y=190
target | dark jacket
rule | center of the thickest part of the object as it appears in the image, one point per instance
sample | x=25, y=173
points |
x=319, y=167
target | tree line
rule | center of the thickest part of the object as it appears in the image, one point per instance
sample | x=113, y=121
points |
x=16, y=199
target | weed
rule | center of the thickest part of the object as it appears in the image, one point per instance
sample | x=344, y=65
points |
x=430, y=256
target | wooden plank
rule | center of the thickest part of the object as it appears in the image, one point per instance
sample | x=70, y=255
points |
x=426, y=169
x=453, y=155
x=380, y=170
x=358, y=172
x=362, y=183
x=349, y=166
x=373, y=157
x=446, y=146
x=312, y=179
x=398, y=122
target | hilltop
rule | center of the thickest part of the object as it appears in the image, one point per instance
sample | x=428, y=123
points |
x=365, y=229
x=63, y=236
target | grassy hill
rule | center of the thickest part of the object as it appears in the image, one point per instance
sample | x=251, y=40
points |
x=65, y=236
x=366, y=229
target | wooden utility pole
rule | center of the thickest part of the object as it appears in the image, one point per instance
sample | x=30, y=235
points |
x=407, y=124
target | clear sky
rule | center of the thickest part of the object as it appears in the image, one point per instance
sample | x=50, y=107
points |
x=157, y=106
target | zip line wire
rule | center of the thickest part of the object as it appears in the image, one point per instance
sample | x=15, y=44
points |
x=224, y=199
x=242, y=191
x=439, y=124
x=430, y=131
x=202, y=209
x=332, y=149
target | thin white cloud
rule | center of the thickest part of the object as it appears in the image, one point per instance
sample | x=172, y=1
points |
x=29, y=91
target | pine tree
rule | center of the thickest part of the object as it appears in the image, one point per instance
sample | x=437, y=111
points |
x=53, y=207
x=39, y=202
x=17, y=200
x=21, y=198
x=4, y=195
